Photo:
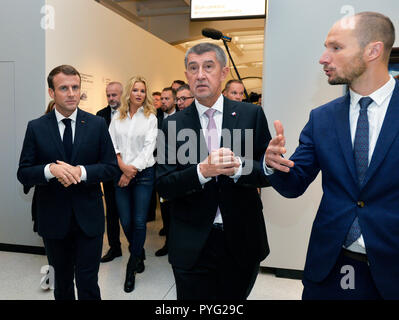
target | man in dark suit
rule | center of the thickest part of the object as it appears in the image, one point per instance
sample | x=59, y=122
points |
x=353, y=250
x=217, y=234
x=65, y=155
x=167, y=109
x=114, y=92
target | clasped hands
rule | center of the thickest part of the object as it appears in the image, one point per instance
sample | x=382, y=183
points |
x=129, y=172
x=275, y=150
x=220, y=162
x=65, y=173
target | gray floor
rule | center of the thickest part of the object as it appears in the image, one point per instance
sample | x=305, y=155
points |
x=20, y=277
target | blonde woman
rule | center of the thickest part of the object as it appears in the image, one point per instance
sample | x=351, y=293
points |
x=134, y=131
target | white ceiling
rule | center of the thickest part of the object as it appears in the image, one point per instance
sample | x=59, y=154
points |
x=170, y=21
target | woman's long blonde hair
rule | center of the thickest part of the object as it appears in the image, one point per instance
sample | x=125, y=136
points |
x=125, y=100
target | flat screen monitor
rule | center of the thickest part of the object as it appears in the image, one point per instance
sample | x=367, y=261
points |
x=227, y=9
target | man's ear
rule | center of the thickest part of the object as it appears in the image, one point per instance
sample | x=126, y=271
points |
x=51, y=93
x=225, y=72
x=374, y=50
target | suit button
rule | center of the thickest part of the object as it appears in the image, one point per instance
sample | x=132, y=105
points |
x=360, y=204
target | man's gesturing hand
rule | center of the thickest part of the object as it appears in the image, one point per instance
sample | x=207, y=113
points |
x=220, y=161
x=275, y=150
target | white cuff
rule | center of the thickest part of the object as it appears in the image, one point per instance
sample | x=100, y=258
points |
x=238, y=173
x=83, y=176
x=267, y=170
x=201, y=178
x=47, y=173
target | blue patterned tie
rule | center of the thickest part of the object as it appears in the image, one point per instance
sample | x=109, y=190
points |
x=67, y=138
x=361, y=153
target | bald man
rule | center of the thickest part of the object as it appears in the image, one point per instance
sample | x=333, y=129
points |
x=114, y=92
x=353, y=250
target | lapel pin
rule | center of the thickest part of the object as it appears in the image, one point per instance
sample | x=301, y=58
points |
x=82, y=121
x=234, y=114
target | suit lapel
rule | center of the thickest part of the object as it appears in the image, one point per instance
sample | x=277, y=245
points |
x=55, y=133
x=230, y=117
x=80, y=127
x=389, y=130
x=343, y=132
x=108, y=115
x=192, y=121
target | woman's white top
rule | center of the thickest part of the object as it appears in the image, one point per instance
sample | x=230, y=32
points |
x=135, y=138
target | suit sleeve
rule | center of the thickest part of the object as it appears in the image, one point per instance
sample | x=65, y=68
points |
x=30, y=174
x=306, y=166
x=252, y=174
x=106, y=168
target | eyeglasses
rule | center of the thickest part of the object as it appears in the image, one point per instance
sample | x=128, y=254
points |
x=184, y=98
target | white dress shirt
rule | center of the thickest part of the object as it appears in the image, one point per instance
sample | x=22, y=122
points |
x=134, y=138
x=218, y=117
x=376, y=114
x=165, y=114
x=61, y=128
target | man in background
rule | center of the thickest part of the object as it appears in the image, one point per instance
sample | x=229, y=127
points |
x=156, y=98
x=184, y=97
x=113, y=92
x=168, y=108
x=234, y=90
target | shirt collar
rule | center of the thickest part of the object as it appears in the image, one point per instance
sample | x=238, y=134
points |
x=218, y=106
x=165, y=114
x=60, y=117
x=139, y=110
x=378, y=96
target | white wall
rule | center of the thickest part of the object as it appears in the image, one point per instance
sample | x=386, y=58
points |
x=100, y=43
x=86, y=35
x=294, y=83
x=21, y=99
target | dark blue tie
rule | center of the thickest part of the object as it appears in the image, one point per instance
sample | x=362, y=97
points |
x=67, y=138
x=361, y=153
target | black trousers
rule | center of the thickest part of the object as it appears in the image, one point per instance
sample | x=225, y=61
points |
x=153, y=206
x=165, y=212
x=113, y=229
x=76, y=256
x=216, y=275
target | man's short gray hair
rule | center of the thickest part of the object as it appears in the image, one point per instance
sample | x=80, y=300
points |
x=203, y=47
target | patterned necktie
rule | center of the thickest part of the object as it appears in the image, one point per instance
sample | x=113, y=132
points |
x=361, y=153
x=212, y=138
x=67, y=138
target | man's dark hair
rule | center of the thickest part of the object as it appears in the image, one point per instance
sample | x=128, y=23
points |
x=179, y=82
x=156, y=93
x=183, y=87
x=170, y=89
x=65, y=69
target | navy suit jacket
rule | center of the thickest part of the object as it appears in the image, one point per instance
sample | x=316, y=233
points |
x=193, y=206
x=325, y=145
x=55, y=204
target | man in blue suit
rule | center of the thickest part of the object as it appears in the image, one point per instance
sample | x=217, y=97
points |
x=65, y=155
x=353, y=251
